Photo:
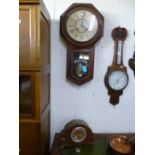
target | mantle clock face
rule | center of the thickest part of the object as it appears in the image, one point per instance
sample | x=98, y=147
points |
x=116, y=78
x=81, y=26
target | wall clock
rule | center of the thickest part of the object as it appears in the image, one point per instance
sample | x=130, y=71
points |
x=116, y=78
x=75, y=134
x=81, y=26
x=132, y=63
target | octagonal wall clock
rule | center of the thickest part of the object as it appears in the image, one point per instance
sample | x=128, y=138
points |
x=81, y=26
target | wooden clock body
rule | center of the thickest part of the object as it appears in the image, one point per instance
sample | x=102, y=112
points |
x=80, y=54
x=119, y=35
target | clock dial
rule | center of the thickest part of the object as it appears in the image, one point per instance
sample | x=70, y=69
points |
x=82, y=25
x=118, y=80
x=78, y=134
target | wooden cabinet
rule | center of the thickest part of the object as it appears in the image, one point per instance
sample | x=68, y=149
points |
x=34, y=37
x=34, y=78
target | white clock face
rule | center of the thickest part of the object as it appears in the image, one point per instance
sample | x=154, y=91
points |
x=78, y=134
x=82, y=25
x=118, y=80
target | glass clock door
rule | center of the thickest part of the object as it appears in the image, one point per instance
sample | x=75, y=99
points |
x=26, y=94
x=80, y=65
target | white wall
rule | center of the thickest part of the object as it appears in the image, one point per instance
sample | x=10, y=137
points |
x=90, y=102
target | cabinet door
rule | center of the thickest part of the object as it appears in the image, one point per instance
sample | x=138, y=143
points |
x=29, y=95
x=28, y=36
x=29, y=138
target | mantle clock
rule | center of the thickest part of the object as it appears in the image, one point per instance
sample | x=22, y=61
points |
x=75, y=134
x=81, y=26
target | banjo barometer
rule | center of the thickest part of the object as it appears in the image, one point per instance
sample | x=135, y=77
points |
x=116, y=78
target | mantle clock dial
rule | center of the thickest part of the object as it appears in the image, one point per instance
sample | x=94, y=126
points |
x=116, y=78
x=81, y=26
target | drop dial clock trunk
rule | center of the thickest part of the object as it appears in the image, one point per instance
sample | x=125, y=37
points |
x=81, y=25
x=116, y=78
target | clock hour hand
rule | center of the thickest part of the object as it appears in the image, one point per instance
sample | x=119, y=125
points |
x=82, y=23
x=85, y=28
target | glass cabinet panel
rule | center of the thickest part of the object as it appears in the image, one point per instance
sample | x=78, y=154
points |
x=26, y=94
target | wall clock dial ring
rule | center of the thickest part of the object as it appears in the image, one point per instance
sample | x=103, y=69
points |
x=84, y=29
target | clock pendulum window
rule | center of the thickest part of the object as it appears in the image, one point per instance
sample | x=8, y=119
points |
x=81, y=26
x=116, y=78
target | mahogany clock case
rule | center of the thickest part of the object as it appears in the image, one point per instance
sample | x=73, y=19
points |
x=84, y=47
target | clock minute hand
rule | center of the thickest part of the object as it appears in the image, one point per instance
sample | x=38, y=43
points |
x=82, y=25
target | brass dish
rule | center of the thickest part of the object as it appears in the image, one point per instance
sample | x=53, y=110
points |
x=120, y=145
